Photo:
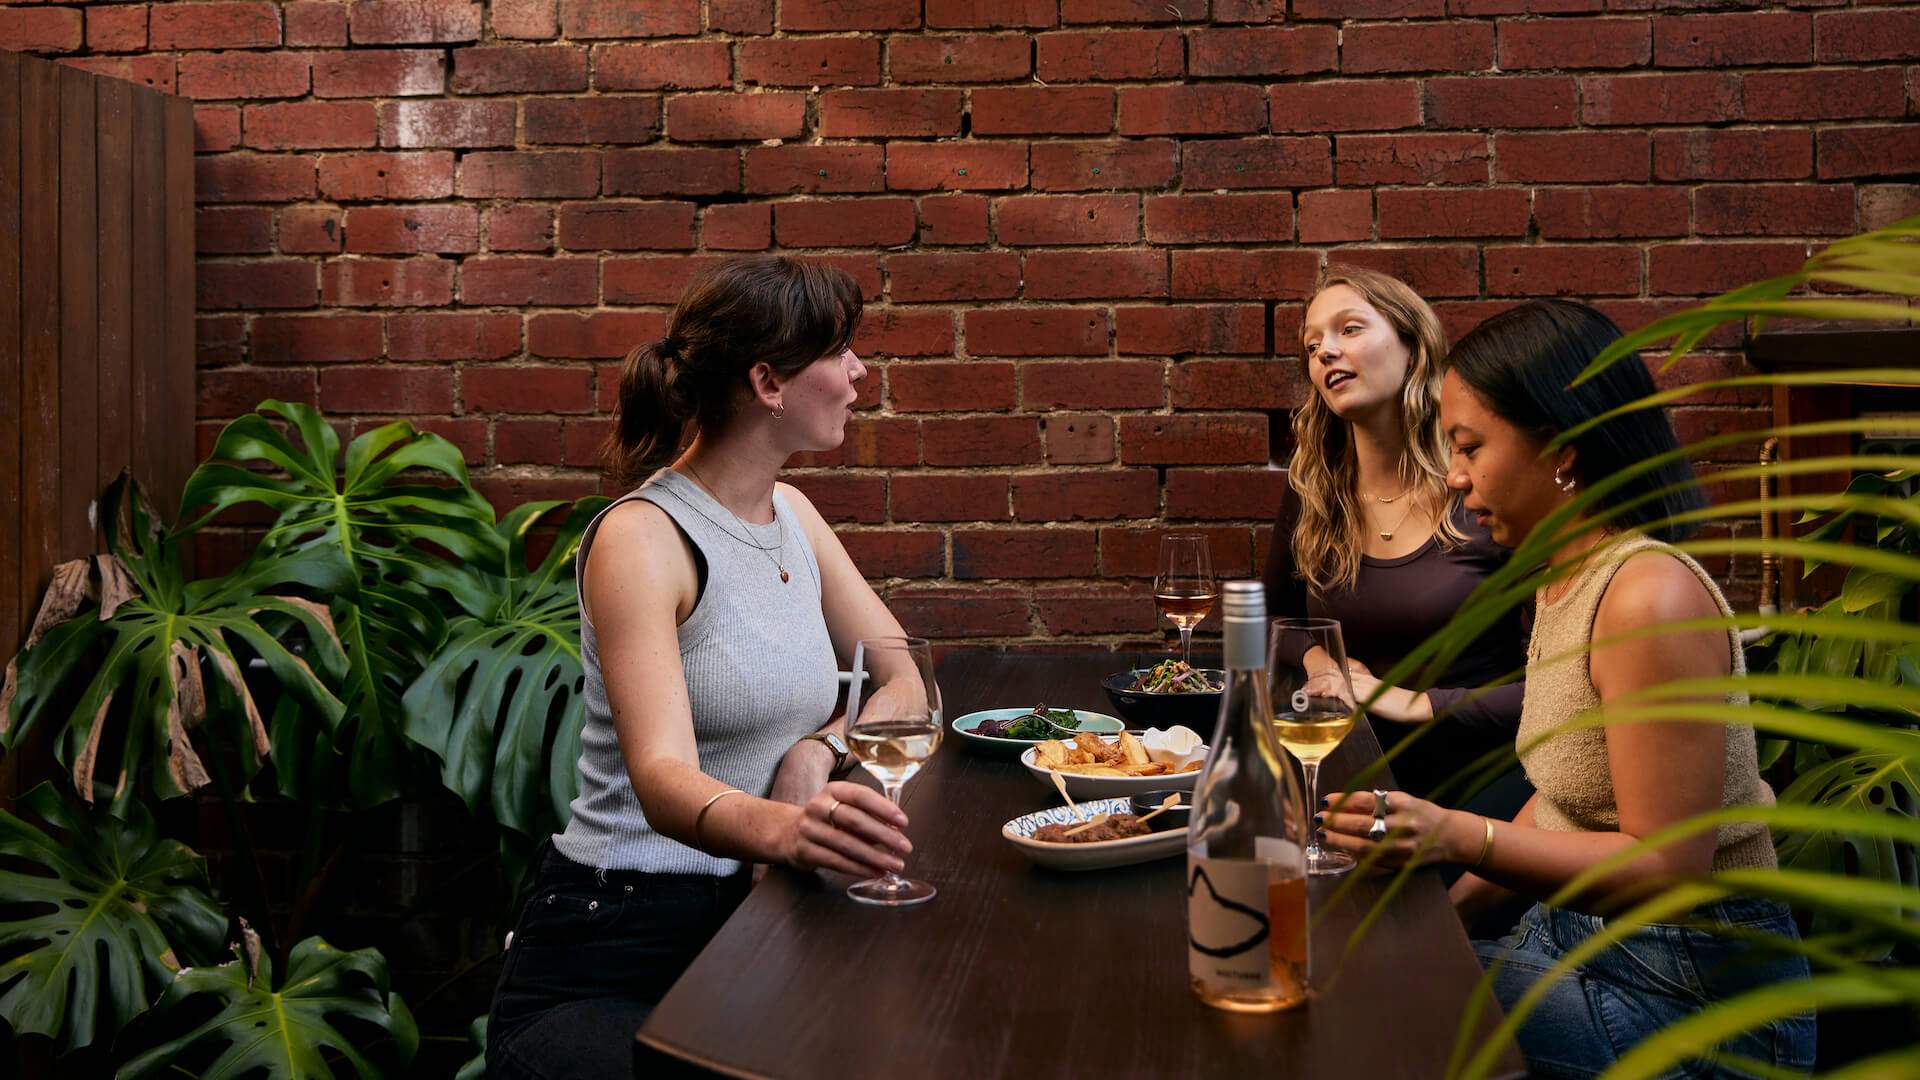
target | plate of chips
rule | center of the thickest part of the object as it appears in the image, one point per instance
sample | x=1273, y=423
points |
x=1102, y=767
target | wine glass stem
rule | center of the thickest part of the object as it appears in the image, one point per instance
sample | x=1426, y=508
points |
x=1186, y=644
x=1312, y=771
x=893, y=788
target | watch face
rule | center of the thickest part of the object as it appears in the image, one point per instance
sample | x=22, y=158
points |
x=838, y=744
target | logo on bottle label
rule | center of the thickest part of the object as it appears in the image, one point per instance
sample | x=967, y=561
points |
x=1227, y=925
x=1301, y=701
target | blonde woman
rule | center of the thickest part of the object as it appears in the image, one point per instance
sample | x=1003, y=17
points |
x=1368, y=533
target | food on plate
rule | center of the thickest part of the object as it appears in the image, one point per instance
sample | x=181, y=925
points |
x=1041, y=723
x=1174, y=677
x=1115, y=827
x=1090, y=755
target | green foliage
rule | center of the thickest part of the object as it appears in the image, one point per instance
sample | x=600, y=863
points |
x=138, y=659
x=500, y=705
x=390, y=534
x=1837, y=688
x=110, y=913
x=290, y=1031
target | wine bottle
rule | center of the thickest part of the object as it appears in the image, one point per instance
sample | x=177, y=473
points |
x=1246, y=861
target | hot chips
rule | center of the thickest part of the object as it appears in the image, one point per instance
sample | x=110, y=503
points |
x=1090, y=755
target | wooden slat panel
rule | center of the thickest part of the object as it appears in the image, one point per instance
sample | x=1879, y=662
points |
x=39, y=327
x=113, y=116
x=12, y=616
x=79, y=329
x=148, y=407
x=178, y=446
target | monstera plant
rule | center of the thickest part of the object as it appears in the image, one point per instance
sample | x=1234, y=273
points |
x=384, y=638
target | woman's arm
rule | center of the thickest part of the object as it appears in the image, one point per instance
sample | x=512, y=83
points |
x=640, y=584
x=1473, y=894
x=1662, y=773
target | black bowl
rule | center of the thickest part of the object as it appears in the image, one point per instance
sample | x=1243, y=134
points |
x=1144, y=710
x=1169, y=820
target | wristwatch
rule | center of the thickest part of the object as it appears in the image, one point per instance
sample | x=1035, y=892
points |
x=842, y=757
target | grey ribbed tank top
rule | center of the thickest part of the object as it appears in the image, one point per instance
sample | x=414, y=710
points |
x=760, y=675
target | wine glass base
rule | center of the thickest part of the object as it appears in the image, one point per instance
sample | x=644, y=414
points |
x=901, y=892
x=1328, y=863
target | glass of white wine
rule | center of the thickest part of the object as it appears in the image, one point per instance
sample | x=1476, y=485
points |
x=1184, y=588
x=892, y=733
x=1313, y=709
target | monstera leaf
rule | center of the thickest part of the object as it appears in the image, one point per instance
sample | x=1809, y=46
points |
x=289, y=1032
x=1866, y=782
x=500, y=705
x=111, y=918
x=391, y=533
x=139, y=660
x=476, y=1066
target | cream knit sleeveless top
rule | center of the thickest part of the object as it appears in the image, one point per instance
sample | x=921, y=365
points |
x=1570, y=770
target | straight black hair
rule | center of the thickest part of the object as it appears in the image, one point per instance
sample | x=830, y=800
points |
x=1522, y=363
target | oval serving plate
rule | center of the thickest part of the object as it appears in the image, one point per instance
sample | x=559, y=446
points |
x=1098, y=723
x=1095, y=856
x=1082, y=786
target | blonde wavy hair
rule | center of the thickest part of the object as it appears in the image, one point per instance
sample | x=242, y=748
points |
x=1324, y=470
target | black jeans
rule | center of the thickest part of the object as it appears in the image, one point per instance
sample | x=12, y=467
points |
x=591, y=955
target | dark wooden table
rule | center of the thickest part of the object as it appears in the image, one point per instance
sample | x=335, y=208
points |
x=1018, y=971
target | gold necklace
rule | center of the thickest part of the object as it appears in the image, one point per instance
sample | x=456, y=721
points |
x=1387, y=534
x=778, y=562
x=1395, y=498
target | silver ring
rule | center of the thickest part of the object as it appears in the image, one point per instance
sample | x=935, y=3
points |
x=1380, y=807
x=1377, y=830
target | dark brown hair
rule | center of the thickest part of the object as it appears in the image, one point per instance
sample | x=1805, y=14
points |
x=786, y=313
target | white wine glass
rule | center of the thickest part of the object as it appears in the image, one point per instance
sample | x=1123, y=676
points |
x=1184, y=588
x=1312, y=713
x=892, y=732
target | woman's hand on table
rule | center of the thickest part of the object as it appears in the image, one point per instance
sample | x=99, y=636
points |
x=849, y=829
x=1418, y=831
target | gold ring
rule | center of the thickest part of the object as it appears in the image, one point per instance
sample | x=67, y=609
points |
x=830, y=810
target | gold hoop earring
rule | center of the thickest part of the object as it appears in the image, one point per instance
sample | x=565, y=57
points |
x=1566, y=484
x=778, y=412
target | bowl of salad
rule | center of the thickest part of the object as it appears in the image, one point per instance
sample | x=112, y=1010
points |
x=1168, y=693
x=1009, y=731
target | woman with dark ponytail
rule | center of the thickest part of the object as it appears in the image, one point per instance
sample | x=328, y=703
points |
x=717, y=608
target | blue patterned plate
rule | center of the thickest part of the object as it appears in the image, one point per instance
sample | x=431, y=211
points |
x=1095, y=856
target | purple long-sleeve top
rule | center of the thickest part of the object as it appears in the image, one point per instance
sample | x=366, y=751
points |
x=1393, y=606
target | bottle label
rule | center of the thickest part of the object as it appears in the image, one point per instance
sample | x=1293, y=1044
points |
x=1228, y=928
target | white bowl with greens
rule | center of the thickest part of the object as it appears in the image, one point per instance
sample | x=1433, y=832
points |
x=1006, y=735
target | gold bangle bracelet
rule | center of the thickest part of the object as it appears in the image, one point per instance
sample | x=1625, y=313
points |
x=1486, y=847
x=700, y=820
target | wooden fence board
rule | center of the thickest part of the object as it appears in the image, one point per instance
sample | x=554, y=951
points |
x=79, y=314
x=178, y=444
x=39, y=329
x=114, y=249
x=148, y=403
x=12, y=622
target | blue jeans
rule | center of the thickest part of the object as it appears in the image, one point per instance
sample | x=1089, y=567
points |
x=591, y=955
x=1660, y=974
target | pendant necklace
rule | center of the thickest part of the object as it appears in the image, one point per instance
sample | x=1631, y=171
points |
x=1387, y=534
x=778, y=562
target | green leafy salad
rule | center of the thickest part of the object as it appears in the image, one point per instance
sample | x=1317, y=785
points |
x=1032, y=725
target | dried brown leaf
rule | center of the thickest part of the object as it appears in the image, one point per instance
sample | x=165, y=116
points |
x=83, y=766
x=64, y=595
x=249, y=949
x=116, y=585
x=187, y=709
x=231, y=672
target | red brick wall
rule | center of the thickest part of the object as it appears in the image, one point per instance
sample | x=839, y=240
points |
x=1085, y=227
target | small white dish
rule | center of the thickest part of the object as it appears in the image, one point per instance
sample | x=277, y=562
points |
x=1098, y=855
x=1082, y=786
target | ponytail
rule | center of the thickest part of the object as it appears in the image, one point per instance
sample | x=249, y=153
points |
x=783, y=312
x=653, y=410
